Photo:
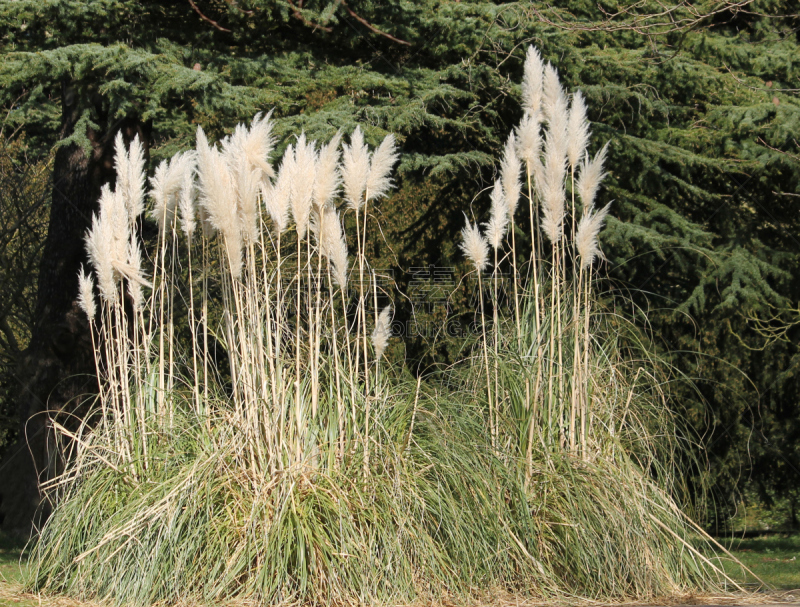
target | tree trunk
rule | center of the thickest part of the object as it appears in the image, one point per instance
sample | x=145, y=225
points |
x=56, y=372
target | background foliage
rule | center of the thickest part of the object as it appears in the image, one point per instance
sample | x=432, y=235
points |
x=699, y=102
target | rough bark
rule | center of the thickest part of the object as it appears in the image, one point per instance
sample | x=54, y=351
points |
x=56, y=372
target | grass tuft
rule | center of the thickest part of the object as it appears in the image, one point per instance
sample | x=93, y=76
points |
x=302, y=466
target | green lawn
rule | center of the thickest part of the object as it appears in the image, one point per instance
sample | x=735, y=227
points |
x=774, y=559
x=11, y=573
x=10, y=550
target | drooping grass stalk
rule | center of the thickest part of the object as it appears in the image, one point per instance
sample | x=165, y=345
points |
x=584, y=377
x=268, y=317
x=363, y=308
x=588, y=250
x=380, y=339
x=515, y=279
x=119, y=340
x=351, y=360
x=510, y=169
x=193, y=329
x=489, y=391
x=340, y=413
x=161, y=296
x=576, y=398
x=297, y=396
x=171, y=310
x=577, y=139
x=260, y=428
x=358, y=321
x=496, y=343
x=476, y=249
x=533, y=400
x=561, y=284
x=206, y=379
x=496, y=229
x=279, y=344
x=312, y=327
x=87, y=303
x=318, y=325
x=369, y=397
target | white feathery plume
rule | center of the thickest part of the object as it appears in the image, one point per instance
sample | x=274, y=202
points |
x=302, y=186
x=99, y=247
x=553, y=209
x=529, y=146
x=166, y=185
x=114, y=218
x=532, y=80
x=134, y=193
x=248, y=190
x=552, y=192
x=586, y=241
x=381, y=163
x=382, y=332
x=245, y=152
x=590, y=177
x=232, y=147
x=121, y=165
x=179, y=164
x=497, y=225
x=250, y=147
x=86, y=294
x=552, y=92
x=557, y=132
x=134, y=274
x=277, y=196
x=186, y=204
x=203, y=151
x=474, y=245
x=172, y=185
x=315, y=222
x=218, y=198
x=328, y=178
x=333, y=244
x=355, y=169
x=158, y=193
x=510, y=168
x=338, y=256
x=577, y=130
x=203, y=156
x=529, y=137
x=258, y=143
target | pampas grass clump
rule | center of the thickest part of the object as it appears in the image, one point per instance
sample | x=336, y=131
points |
x=303, y=467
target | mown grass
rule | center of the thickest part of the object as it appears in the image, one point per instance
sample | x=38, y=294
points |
x=11, y=568
x=775, y=559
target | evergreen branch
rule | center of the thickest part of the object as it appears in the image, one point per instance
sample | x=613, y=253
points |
x=207, y=19
x=445, y=163
x=371, y=27
x=766, y=89
x=792, y=156
x=298, y=15
x=661, y=22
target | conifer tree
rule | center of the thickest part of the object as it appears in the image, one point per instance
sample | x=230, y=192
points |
x=699, y=105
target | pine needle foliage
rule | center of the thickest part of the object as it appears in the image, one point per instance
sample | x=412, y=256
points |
x=701, y=111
